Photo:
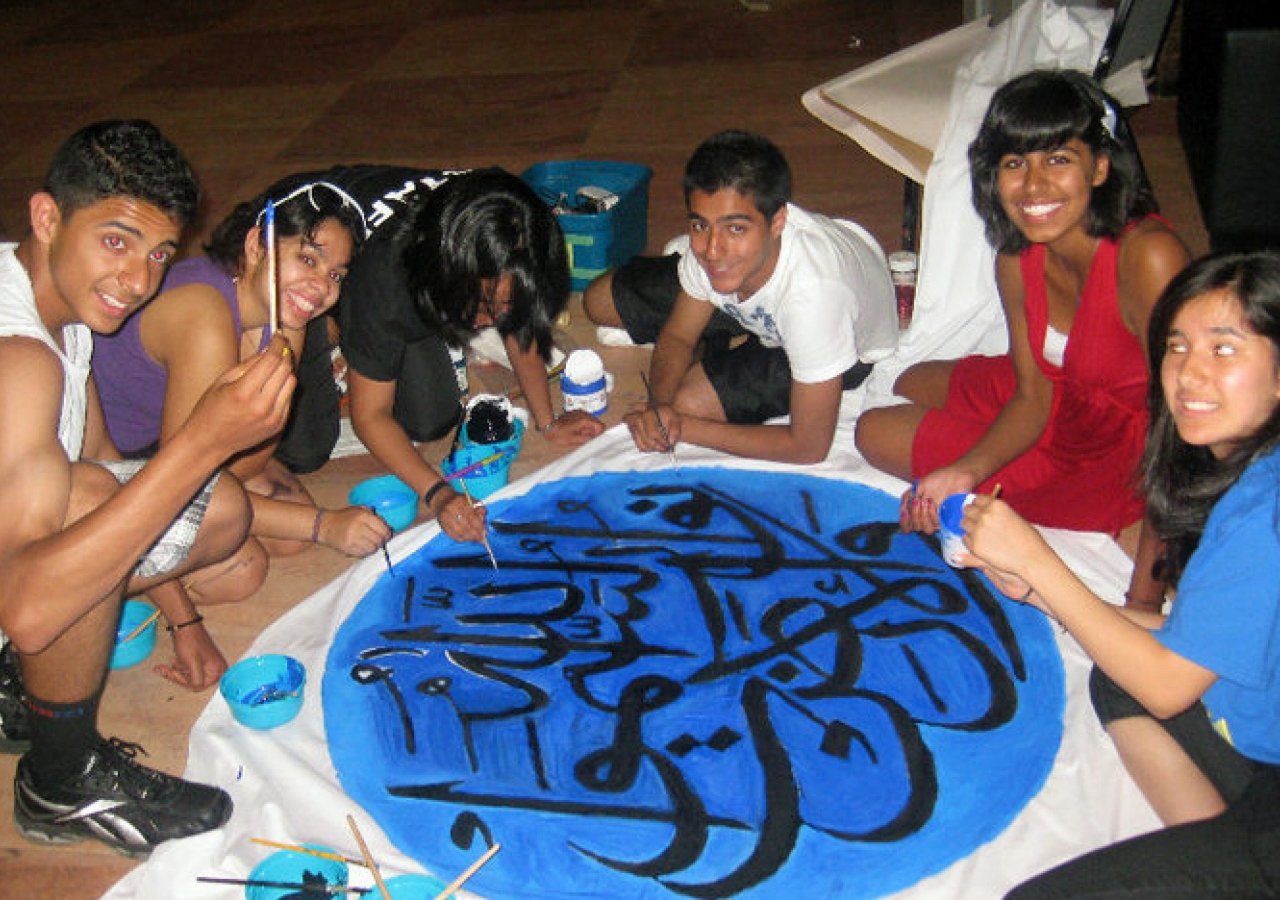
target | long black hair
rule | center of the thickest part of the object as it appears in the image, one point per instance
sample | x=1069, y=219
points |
x=468, y=233
x=1183, y=482
x=1042, y=110
x=302, y=204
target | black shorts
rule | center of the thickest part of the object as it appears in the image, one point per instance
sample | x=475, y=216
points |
x=1228, y=769
x=752, y=381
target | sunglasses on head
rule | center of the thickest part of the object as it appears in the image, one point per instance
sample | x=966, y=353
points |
x=309, y=191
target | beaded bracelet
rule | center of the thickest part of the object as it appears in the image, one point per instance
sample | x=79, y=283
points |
x=187, y=624
x=315, y=526
x=431, y=493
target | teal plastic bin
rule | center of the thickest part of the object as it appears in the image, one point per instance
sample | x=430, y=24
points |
x=596, y=241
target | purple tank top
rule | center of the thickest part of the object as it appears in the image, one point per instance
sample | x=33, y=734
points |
x=132, y=384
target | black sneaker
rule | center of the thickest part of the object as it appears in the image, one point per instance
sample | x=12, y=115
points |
x=15, y=727
x=118, y=801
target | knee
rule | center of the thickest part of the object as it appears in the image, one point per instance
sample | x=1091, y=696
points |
x=236, y=578
x=925, y=384
x=866, y=430
x=277, y=482
x=884, y=439
x=91, y=486
x=905, y=385
x=227, y=520
x=247, y=574
x=697, y=397
x=309, y=439
x=597, y=300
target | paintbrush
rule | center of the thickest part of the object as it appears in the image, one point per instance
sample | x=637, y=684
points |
x=310, y=851
x=326, y=890
x=487, y=546
x=662, y=429
x=467, y=470
x=368, y=858
x=142, y=626
x=273, y=310
x=468, y=872
x=385, y=554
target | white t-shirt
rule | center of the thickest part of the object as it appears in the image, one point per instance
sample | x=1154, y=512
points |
x=829, y=302
x=18, y=318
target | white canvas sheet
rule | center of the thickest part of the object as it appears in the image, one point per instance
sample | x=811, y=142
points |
x=285, y=787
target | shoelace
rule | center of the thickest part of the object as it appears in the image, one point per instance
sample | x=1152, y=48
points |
x=121, y=757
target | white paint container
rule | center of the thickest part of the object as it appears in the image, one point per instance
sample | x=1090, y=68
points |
x=951, y=527
x=585, y=383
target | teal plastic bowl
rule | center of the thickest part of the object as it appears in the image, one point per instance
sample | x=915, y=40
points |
x=293, y=867
x=137, y=648
x=492, y=476
x=389, y=497
x=264, y=691
x=414, y=887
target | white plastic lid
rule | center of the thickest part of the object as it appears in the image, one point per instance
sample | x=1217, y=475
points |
x=902, y=261
x=584, y=366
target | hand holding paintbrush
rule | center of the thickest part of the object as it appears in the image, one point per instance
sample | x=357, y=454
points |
x=487, y=546
x=662, y=428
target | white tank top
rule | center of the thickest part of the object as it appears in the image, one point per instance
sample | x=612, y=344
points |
x=18, y=318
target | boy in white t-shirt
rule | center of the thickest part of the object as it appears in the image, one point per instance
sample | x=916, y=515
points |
x=761, y=310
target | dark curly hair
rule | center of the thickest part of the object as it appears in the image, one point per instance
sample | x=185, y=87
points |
x=303, y=204
x=1184, y=482
x=1043, y=110
x=122, y=158
x=469, y=232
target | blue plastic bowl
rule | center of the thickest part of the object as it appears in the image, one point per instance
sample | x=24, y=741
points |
x=389, y=497
x=264, y=691
x=291, y=866
x=491, y=477
x=415, y=887
x=137, y=648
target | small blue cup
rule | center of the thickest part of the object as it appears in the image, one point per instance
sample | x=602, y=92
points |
x=389, y=497
x=292, y=867
x=491, y=477
x=951, y=527
x=264, y=691
x=135, y=649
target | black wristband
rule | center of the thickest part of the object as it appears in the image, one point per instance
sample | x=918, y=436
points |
x=187, y=624
x=432, y=491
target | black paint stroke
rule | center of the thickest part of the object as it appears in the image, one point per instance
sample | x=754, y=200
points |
x=497, y=640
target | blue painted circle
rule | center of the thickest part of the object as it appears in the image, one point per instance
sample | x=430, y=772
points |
x=702, y=682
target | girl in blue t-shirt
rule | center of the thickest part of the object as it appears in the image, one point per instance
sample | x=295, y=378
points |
x=1192, y=702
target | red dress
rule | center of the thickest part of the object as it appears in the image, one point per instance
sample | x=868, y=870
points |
x=1082, y=472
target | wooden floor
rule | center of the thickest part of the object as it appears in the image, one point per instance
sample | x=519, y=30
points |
x=254, y=89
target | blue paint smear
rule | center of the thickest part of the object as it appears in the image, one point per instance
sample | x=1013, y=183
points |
x=701, y=683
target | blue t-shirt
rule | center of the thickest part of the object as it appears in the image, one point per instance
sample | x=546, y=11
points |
x=1226, y=616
